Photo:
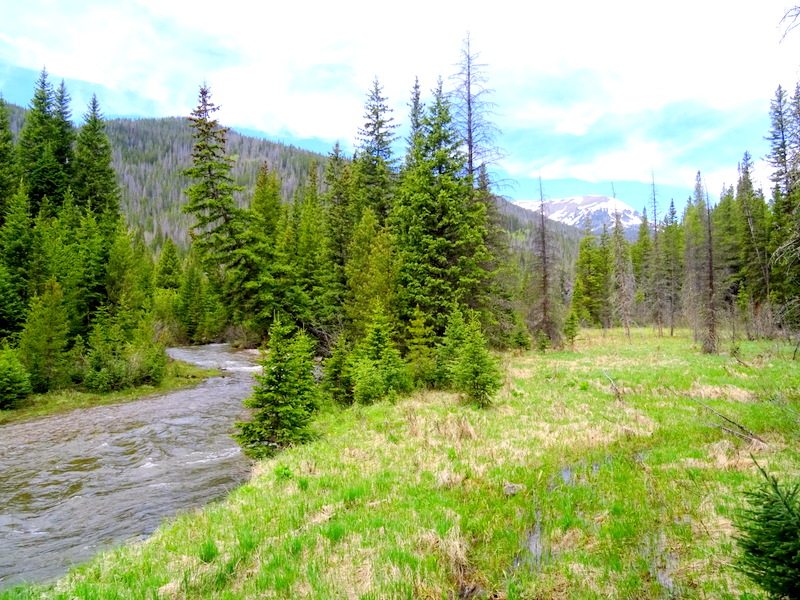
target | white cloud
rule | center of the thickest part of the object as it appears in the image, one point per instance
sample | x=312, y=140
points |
x=636, y=56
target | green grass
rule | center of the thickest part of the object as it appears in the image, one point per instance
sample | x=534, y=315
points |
x=179, y=375
x=617, y=497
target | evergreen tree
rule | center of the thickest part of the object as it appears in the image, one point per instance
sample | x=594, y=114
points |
x=168, y=270
x=210, y=197
x=590, y=280
x=623, y=283
x=641, y=252
x=340, y=214
x=191, y=306
x=12, y=308
x=15, y=382
x=9, y=178
x=421, y=355
x=752, y=230
x=655, y=284
x=16, y=240
x=475, y=372
x=770, y=537
x=726, y=250
x=371, y=272
x=95, y=184
x=448, y=351
x=440, y=232
x=63, y=134
x=40, y=169
x=672, y=253
x=571, y=328
x=375, y=161
x=337, y=380
x=44, y=339
x=779, y=138
x=376, y=367
x=313, y=264
x=285, y=398
x=544, y=318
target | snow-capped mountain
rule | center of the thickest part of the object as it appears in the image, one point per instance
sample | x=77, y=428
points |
x=600, y=210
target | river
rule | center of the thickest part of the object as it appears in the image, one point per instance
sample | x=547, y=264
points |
x=77, y=483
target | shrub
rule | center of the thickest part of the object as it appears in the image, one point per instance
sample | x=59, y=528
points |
x=15, y=382
x=114, y=363
x=770, y=537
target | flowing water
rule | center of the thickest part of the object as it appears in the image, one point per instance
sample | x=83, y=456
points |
x=80, y=482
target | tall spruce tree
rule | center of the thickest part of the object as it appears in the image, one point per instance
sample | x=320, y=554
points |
x=210, y=197
x=672, y=261
x=440, y=232
x=44, y=339
x=95, y=184
x=36, y=150
x=16, y=253
x=340, y=212
x=63, y=133
x=375, y=163
x=779, y=138
x=753, y=235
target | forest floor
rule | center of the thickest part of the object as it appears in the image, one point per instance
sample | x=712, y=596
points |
x=610, y=471
x=178, y=376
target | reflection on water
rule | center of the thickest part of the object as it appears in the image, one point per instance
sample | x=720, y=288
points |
x=80, y=482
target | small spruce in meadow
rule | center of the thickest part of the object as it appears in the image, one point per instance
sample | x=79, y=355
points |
x=571, y=327
x=447, y=353
x=475, y=372
x=377, y=369
x=770, y=537
x=285, y=398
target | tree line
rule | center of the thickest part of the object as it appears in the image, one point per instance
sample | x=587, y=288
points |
x=76, y=288
x=727, y=266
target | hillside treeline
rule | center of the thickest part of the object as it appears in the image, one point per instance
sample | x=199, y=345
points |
x=150, y=155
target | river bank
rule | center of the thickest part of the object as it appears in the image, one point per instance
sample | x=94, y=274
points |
x=74, y=483
x=566, y=487
x=179, y=375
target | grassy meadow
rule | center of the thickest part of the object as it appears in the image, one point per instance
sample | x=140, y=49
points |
x=597, y=473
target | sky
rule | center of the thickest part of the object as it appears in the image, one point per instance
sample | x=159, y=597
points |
x=591, y=96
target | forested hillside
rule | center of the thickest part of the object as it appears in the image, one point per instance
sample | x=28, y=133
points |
x=151, y=154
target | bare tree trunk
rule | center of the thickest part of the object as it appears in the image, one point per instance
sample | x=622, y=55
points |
x=710, y=339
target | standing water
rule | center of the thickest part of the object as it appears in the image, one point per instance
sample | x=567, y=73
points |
x=80, y=482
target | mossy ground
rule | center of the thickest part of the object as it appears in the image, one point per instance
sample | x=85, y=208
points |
x=563, y=488
x=179, y=375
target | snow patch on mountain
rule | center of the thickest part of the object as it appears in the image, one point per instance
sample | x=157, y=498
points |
x=574, y=211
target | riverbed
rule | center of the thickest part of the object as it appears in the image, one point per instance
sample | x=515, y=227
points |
x=77, y=483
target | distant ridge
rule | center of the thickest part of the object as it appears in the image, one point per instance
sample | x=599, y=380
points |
x=600, y=210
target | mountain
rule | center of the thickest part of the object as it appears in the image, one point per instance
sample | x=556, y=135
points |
x=600, y=210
